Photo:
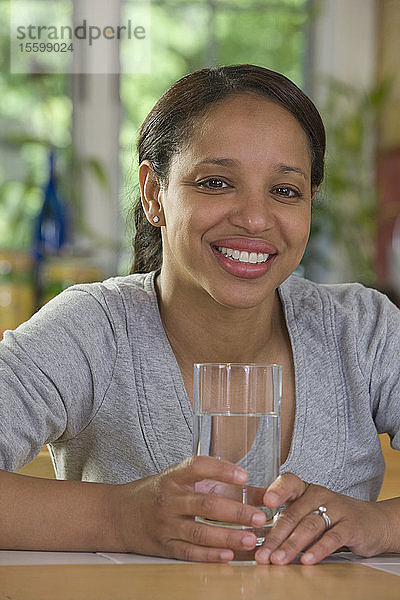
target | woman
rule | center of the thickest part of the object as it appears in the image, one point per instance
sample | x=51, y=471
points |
x=230, y=160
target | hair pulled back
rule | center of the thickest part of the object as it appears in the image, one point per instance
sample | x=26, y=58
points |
x=171, y=122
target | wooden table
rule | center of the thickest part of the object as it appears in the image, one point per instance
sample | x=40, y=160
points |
x=195, y=581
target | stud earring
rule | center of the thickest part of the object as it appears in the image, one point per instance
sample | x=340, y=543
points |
x=156, y=219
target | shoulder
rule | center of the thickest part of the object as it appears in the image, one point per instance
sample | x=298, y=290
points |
x=354, y=318
x=347, y=300
x=114, y=296
x=93, y=309
x=138, y=288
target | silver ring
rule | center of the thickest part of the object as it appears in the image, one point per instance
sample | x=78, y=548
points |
x=321, y=511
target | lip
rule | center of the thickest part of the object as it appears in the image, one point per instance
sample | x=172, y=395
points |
x=246, y=244
x=243, y=270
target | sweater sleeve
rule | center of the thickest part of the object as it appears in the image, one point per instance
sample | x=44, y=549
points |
x=54, y=373
x=378, y=350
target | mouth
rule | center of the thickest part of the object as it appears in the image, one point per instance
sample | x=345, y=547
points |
x=245, y=259
x=242, y=256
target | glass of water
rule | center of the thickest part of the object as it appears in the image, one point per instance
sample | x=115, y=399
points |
x=237, y=418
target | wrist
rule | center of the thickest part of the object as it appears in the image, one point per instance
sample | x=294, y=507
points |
x=112, y=521
x=390, y=511
x=123, y=530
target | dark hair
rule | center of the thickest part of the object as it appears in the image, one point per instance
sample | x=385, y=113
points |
x=170, y=123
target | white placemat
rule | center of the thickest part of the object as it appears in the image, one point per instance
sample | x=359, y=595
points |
x=386, y=562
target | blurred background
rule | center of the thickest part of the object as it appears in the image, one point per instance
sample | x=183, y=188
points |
x=67, y=140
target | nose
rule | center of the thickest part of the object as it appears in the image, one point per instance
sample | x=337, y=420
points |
x=252, y=212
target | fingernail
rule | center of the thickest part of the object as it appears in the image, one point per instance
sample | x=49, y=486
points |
x=263, y=555
x=308, y=557
x=273, y=497
x=240, y=476
x=279, y=555
x=226, y=555
x=248, y=540
x=258, y=519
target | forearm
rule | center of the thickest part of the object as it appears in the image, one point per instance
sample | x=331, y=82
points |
x=44, y=514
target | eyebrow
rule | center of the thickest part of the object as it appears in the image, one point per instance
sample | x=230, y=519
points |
x=281, y=168
x=230, y=162
x=222, y=162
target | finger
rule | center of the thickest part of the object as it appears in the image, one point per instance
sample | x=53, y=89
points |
x=253, y=495
x=190, y=552
x=210, y=506
x=331, y=541
x=286, y=488
x=290, y=518
x=307, y=531
x=198, y=468
x=201, y=534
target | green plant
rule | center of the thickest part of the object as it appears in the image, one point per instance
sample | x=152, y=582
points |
x=345, y=213
x=35, y=117
x=21, y=199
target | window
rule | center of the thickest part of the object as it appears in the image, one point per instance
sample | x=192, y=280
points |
x=35, y=115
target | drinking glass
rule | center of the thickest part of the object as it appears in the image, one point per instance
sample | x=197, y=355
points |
x=237, y=418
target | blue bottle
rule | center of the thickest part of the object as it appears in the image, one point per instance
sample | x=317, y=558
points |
x=50, y=231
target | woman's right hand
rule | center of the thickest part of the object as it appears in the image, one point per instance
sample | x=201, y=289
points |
x=156, y=515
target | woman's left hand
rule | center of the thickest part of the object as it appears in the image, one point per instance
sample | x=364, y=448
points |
x=362, y=527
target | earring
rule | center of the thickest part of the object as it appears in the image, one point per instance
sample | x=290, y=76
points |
x=156, y=219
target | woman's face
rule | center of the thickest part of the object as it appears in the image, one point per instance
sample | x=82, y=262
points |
x=237, y=207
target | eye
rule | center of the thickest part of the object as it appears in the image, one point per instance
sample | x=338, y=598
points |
x=287, y=192
x=213, y=184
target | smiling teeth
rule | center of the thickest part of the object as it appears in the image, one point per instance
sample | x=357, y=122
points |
x=243, y=256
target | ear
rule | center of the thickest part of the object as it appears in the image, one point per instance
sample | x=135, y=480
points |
x=150, y=193
x=314, y=190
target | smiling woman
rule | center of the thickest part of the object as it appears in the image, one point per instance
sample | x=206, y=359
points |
x=184, y=107
x=230, y=159
x=231, y=187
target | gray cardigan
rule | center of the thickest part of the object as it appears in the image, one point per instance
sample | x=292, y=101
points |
x=92, y=374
